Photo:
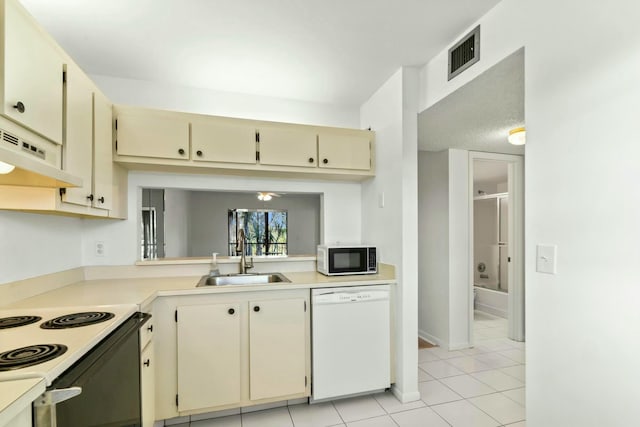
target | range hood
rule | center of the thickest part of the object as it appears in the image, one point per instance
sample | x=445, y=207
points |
x=34, y=159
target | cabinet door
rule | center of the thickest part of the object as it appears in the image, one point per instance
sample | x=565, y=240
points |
x=277, y=364
x=209, y=354
x=103, y=188
x=344, y=151
x=147, y=385
x=32, y=74
x=78, y=142
x=220, y=142
x=152, y=134
x=288, y=147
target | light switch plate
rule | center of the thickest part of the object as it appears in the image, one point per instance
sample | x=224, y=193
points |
x=381, y=200
x=546, y=259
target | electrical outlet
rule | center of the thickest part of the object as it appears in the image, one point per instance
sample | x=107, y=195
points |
x=100, y=249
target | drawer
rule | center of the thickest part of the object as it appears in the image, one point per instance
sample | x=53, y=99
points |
x=146, y=333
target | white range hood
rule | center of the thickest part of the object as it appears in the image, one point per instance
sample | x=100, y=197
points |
x=35, y=159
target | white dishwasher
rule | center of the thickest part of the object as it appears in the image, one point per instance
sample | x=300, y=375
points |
x=351, y=341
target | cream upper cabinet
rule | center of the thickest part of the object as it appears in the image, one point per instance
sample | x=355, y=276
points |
x=209, y=355
x=87, y=142
x=103, y=188
x=32, y=74
x=214, y=141
x=277, y=348
x=78, y=142
x=339, y=151
x=288, y=147
x=149, y=133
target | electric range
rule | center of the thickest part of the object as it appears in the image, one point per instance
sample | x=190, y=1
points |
x=44, y=342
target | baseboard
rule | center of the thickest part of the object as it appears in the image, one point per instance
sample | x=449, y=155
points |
x=459, y=346
x=491, y=310
x=405, y=397
x=430, y=338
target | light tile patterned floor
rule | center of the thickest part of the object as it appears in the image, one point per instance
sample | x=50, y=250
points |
x=479, y=387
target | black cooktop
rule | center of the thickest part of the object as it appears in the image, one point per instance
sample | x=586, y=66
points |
x=15, y=321
x=30, y=355
x=75, y=320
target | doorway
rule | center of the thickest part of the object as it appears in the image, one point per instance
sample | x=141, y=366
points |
x=496, y=232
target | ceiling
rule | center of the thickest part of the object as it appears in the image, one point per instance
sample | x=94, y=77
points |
x=479, y=115
x=328, y=51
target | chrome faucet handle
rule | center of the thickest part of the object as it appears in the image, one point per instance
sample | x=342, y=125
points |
x=250, y=263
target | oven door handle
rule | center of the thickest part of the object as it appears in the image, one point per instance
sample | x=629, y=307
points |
x=44, y=408
x=52, y=397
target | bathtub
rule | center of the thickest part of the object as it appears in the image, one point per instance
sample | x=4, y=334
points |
x=490, y=301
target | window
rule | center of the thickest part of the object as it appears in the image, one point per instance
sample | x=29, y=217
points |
x=266, y=231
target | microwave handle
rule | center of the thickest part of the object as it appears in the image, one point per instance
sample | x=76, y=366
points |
x=45, y=406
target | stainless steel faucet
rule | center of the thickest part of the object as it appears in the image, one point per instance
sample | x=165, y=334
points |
x=241, y=242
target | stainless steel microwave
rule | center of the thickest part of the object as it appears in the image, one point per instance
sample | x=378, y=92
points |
x=341, y=260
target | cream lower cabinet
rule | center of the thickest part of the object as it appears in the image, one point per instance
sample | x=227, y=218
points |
x=209, y=355
x=231, y=350
x=277, y=348
x=147, y=370
x=147, y=385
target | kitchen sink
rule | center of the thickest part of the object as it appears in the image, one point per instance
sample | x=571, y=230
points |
x=243, y=279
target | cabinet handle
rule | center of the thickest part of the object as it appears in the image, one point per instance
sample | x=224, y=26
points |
x=256, y=308
x=199, y=153
x=181, y=151
x=147, y=362
x=325, y=161
x=310, y=159
x=231, y=311
x=90, y=197
x=101, y=199
x=150, y=328
x=20, y=107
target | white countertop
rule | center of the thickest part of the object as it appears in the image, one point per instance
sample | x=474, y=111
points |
x=17, y=395
x=143, y=291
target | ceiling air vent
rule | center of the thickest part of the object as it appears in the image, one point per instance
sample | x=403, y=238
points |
x=465, y=53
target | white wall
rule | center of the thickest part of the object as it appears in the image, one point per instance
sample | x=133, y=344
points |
x=433, y=250
x=32, y=245
x=392, y=113
x=341, y=209
x=444, y=247
x=206, y=101
x=581, y=166
x=176, y=224
x=459, y=286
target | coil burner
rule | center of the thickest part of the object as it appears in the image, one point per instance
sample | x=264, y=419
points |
x=30, y=355
x=76, y=320
x=15, y=321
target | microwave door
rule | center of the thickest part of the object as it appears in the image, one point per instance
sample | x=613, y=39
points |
x=347, y=260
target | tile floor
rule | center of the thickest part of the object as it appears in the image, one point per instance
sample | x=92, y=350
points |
x=479, y=387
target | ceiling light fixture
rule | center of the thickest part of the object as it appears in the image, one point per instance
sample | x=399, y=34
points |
x=517, y=136
x=6, y=168
x=265, y=197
